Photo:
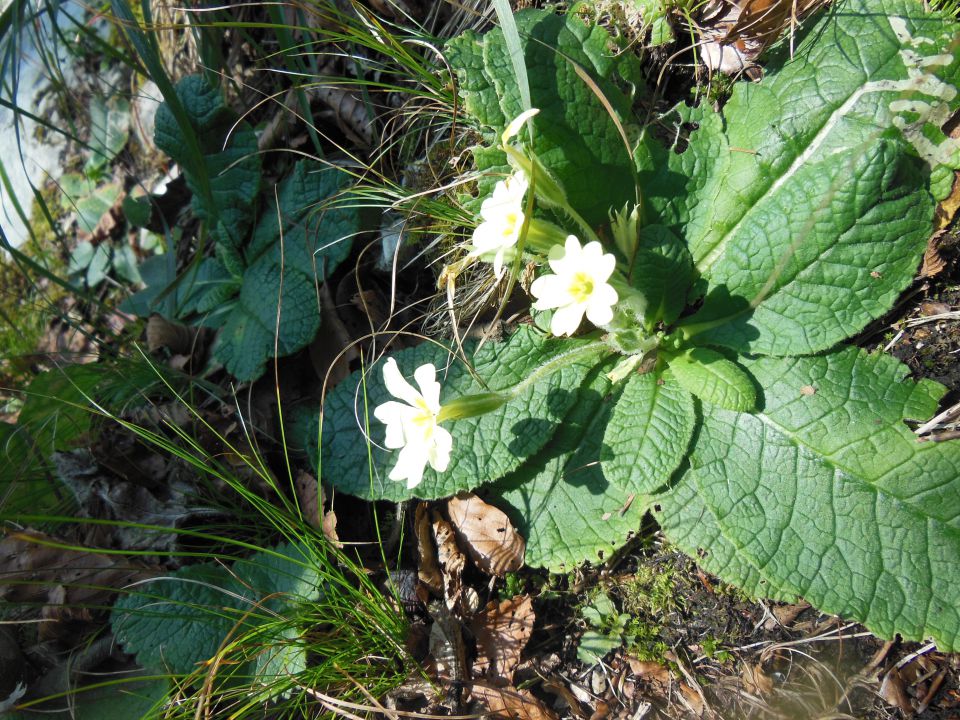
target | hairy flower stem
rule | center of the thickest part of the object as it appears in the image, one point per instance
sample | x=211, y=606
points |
x=558, y=363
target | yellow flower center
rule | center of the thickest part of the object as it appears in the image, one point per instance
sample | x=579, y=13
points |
x=424, y=420
x=581, y=287
x=510, y=226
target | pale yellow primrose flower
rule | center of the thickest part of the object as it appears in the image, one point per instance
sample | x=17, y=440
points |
x=579, y=286
x=412, y=424
x=502, y=215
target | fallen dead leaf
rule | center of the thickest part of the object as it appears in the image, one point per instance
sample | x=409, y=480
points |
x=502, y=631
x=427, y=569
x=649, y=671
x=64, y=583
x=308, y=499
x=755, y=680
x=450, y=559
x=933, y=262
x=934, y=308
x=486, y=534
x=947, y=209
x=692, y=699
x=510, y=703
x=784, y=615
x=332, y=350
x=559, y=688
x=894, y=692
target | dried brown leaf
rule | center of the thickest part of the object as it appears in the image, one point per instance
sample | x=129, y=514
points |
x=692, y=699
x=894, y=692
x=451, y=560
x=559, y=687
x=510, y=703
x=35, y=570
x=486, y=534
x=933, y=261
x=309, y=497
x=427, y=568
x=649, y=671
x=947, y=209
x=502, y=631
x=163, y=333
x=784, y=615
x=333, y=349
x=755, y=680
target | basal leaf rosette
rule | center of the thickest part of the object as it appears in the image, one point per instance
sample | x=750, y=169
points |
x=541, y=374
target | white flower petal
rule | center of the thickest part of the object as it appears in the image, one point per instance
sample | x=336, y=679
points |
x=439, y=456
x=395, y=416
x=599, y=314
x=426, y=377
x=578, y=286
x=397, y=385
x=410, y=465
x=411, y=426
x=566, y=320
x=550, y=291
x=514, y=127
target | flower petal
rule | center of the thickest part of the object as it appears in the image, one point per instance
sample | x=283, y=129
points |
x=426, y=377
x=514, y=127
x=439, y=456
x=410, y=465
x=397, y=385
x=395, y=416
x=550, y=291
x=566, y=320
x=599, y=313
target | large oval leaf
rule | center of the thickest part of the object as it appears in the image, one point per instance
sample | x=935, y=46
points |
x=575, y=136
x=485, y=448
x=828, y=495
x=807, y=203
x=648, y=433
x=560, y=500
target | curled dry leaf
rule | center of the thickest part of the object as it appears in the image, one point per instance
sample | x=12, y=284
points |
x=755, y=680
x=502, y=631
x=311, y=499
x=894, y=692
x=510, y=703
x=486, y=534
x=450, y=559
x=428, y=571
x=933, y=262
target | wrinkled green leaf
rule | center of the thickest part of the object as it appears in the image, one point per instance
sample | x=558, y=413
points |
x=714, y=379
x=663, y=271
x=109, y=131
x=486, y=447
x=560, y=501
x=201, y=288
x=278, y=311
x=692, y=527
x=230, y=155
x=807, y=202
x=830, y=497
x=574, y=135
x=649, y=433
x=594, y=646
x=175, y=622
x=89, y=200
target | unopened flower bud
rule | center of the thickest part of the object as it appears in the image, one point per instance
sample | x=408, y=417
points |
x=471, y=405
